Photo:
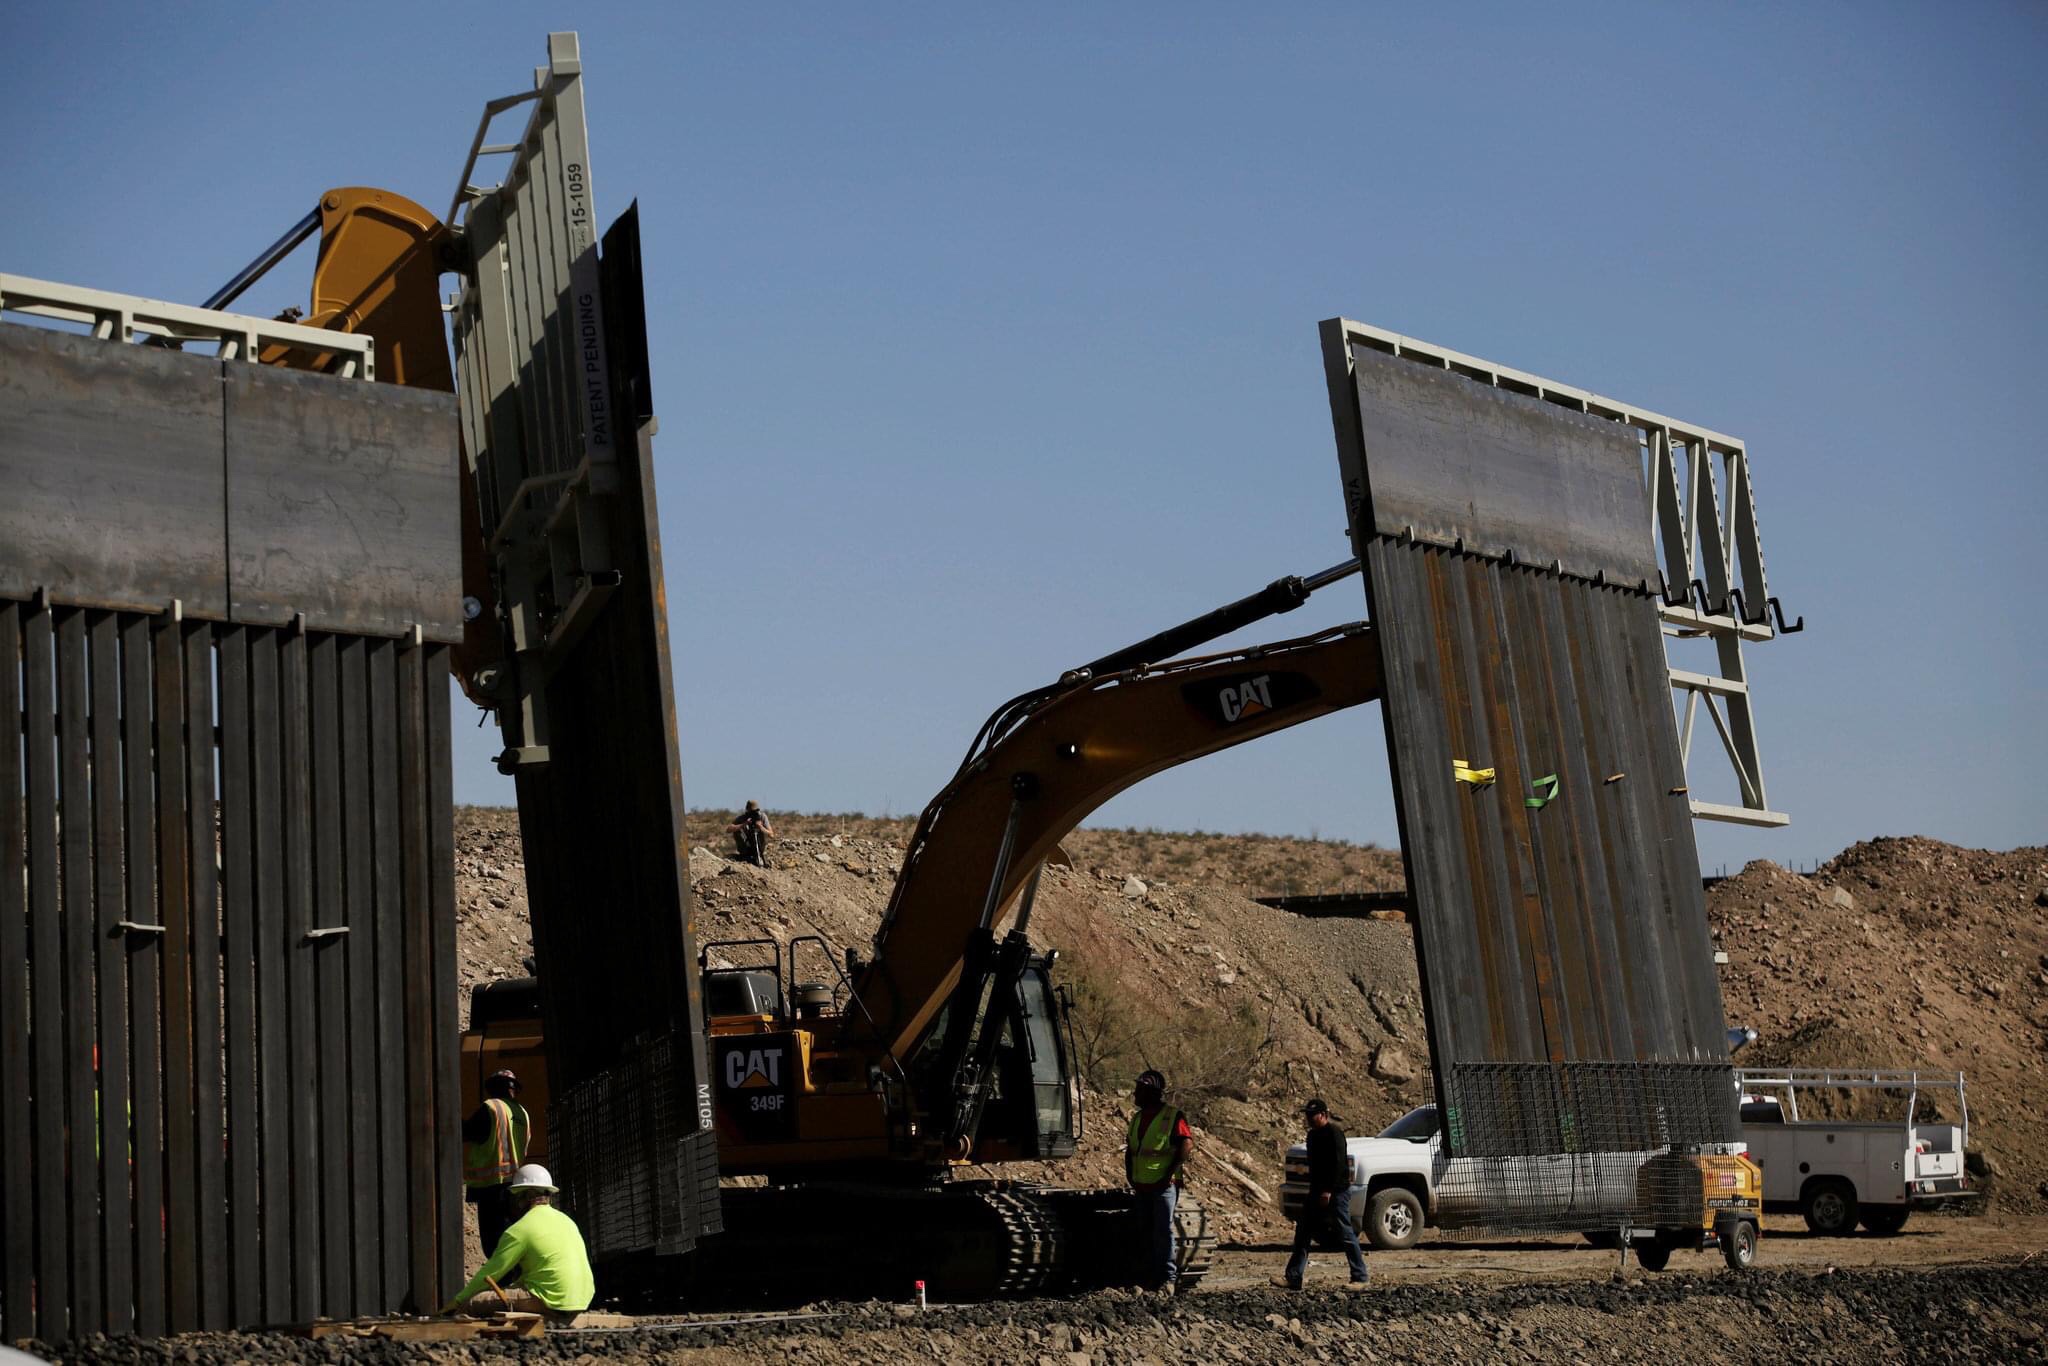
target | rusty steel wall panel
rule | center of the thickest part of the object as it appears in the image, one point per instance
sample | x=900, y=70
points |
x=138, y=476
x=1457, y=463
x=329, y=932
x=601, y=818
x=111, y=459
x=388, y=893
x=44, y=987
x=343, y=504
x=152, y=1015
x=17, y=1191
x=192, y=879
x=1566, y=963
x=366, y=1208
x=239, y=973
x=78, y=933
x=191, y=1045
x=114, y=1108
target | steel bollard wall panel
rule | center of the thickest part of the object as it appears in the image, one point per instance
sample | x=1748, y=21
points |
x=227, y=958
x=1561, y=931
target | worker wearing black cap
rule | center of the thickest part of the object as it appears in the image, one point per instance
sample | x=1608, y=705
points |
x=1329, y=1198
x=1155, y=1152
x=493, y=1149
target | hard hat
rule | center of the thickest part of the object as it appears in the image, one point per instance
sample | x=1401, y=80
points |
x=534, y=1178
x=504, y=1074
x=1315, y=1106
x=1151, y=1077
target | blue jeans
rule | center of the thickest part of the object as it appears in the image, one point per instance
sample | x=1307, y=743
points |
x=1312, y=1216
x=1162, y=1263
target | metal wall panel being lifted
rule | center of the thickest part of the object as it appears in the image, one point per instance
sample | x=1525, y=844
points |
x=1561, y=931
x=557, y=418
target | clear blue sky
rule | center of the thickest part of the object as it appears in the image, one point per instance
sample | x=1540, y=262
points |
x=984, y=337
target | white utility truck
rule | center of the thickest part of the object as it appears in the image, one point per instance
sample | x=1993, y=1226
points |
x=1840, y=1173
x=1402, y=1181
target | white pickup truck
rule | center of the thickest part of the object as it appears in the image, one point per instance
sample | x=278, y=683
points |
x=1402, y=1182
x=1839, y=1174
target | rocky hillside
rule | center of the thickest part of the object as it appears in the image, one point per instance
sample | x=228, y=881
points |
x=1898, y=953
x=1905, y=953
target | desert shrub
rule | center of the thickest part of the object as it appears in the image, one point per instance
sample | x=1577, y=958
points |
x=1206, y=1052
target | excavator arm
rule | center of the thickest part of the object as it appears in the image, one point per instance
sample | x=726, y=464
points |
x=1050, y=760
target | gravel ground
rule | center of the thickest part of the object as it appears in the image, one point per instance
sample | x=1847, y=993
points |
x=1986, y=1312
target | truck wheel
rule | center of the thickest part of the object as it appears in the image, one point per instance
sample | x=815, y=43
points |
x=1393, y=1219
x=1653, y=1255
x=1830, y=1208
x=1738, y=1246
x=1884, y=1220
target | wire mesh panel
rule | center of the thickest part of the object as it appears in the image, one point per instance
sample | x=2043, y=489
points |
x=1574, y=1017
x=638, y=1172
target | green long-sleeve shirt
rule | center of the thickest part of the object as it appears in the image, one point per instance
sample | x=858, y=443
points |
x=548, y=1251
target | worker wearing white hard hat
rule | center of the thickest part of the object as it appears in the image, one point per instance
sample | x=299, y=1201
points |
x=542, y=1252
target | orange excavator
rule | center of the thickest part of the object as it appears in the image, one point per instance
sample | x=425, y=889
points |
x=860, y=1085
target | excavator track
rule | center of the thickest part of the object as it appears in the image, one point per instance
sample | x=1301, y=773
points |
x=1109, y=1242
x=966, y=1241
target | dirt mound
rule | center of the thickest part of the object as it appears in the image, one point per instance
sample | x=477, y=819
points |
x=1898, y=953
x=1905, y=953
x=1252, y=865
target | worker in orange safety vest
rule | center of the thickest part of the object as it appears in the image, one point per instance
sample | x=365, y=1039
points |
x=493, y=1147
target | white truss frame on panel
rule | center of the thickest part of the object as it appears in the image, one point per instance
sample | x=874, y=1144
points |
x=533, y=377
x=130, y=317
x=1712, y=563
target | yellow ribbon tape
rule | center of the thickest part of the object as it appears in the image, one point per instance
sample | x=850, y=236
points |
x=1465, y=773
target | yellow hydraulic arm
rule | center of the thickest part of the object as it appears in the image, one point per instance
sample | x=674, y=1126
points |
x=1063, y=753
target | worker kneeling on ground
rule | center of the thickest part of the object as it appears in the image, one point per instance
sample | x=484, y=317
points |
x=1155, y=1151
x=542, y=1251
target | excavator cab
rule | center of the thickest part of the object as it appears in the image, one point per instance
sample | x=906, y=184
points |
x=1034, y=1108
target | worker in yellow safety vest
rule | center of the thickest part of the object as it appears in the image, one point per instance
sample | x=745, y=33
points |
x=1155, y=1153
x=493, y=1147
x=542, y=1254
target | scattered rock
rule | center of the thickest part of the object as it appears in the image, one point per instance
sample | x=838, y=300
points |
x=1134, y=886
x=1836, y=896
x=1390, y=1063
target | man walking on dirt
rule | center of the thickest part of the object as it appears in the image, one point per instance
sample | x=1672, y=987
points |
x=1329, y=1198
x=751, y=833
x=1155, y=1151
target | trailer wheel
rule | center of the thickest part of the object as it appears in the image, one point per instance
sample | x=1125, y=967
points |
x=1884, y=1220
x=1830, y=1207
x=1653, y=1255
x=1738, y=1246
x=1606, y=1239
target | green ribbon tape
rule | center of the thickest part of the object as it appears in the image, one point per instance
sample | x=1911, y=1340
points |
x=1545, y=789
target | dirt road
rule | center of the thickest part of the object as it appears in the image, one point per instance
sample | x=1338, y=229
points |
x=1953, y=1290
x=1786, y=1245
